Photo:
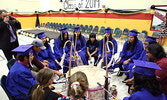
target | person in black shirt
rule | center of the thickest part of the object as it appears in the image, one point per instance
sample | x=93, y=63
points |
x=8, y=36
x=92, y=47
x=41, y=91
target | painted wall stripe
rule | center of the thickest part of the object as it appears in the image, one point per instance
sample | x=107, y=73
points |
x=141, y=16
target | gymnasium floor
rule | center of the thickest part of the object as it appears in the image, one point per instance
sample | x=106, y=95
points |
x=121, y=87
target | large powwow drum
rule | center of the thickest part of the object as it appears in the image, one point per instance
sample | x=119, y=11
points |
x=94, y=75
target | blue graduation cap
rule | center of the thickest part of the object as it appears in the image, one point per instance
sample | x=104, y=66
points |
x=145, y=68
x=133, y=33
x=64, y=30
x=77, y=28
x=41, y=35
x=150, y=39
x=107, y=30
x=23, y=50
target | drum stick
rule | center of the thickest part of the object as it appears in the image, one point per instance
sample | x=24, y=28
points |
x=96, y=61
x=104, y=88
x=58, y=82
x=119, y=71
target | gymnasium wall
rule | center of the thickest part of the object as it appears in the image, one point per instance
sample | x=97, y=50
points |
x=24, y=6
x=112, y=20
x=26, y=20
x=101, y=19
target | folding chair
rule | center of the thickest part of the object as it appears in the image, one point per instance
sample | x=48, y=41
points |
x=10, y=63
x=3, y=85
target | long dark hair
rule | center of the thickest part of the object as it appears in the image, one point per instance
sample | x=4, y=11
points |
x=156, y=50
x=80, y=37
x=148, y=82
x=133, y=45
x=92, y=35
x=46, y=44
x=64, y=40
x=43, y=78
x=110, y=39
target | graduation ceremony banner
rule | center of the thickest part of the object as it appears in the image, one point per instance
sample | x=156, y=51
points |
x=82, y=4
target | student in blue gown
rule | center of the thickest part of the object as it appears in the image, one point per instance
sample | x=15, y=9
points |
x=148, y=40
x=81, y=44
x=132, y=49
x=58, y=49
x=92, y=46
x=20, y=78
x=37, y=47
x=146, y=87
x=108, y=37
x=47, y=55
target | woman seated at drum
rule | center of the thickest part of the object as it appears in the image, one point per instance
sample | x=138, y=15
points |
x=46, y=55
x=80, y=44
x=92, y=47
x=132, y=49
x=42, y=91
x=78, y=86
x=108, y=37
x=148, y=40
x=146, y=87
x=58, y=49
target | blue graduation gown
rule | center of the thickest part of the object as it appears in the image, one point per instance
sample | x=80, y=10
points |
x=127, y=54
x=144, y=94
x=58, y=52
x=19, y=80
x=109, y=55
x=142, y=57
x=82, y=48
x=48, y=55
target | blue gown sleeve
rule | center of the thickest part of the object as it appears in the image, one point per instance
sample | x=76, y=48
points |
x=51, y=55
x=100, y=47
x=115, y=46
x=84, y=46
x=138, y=49
x=135, y=96
x=143, y=56
x=71, y=38
x=56, y=48
x=67, y=49
x=126, y=98
x=123, y=52
x=39, y=57
x=25, y=78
